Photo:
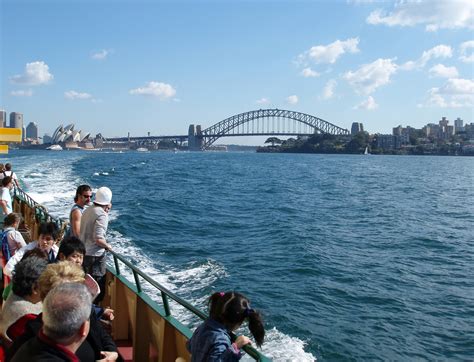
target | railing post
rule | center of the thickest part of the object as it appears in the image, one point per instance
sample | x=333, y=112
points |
x=137, y=281
x=166, y=304
x=117, y=269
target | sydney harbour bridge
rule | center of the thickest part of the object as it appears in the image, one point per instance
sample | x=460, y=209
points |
x=261, y=122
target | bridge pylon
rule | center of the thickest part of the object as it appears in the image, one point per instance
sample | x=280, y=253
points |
x=195, y=138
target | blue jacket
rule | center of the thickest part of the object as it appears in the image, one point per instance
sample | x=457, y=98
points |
x=211, y=342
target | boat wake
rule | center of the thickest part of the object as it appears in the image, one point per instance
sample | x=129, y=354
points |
x=56, y=190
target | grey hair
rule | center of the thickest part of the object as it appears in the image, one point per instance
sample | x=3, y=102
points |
x=65, y=309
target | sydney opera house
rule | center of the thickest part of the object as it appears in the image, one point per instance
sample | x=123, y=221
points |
x=70, y=138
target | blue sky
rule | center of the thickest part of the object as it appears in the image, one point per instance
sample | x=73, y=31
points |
x=157, y=66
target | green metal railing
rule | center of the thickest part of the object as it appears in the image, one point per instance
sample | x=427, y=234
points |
x=166, y=294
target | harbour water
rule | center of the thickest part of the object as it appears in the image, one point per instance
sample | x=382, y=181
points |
x=349, y=257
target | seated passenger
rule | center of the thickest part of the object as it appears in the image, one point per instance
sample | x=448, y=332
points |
x=48, y=234
x=72, y=249
x=211, y=341
x=98, y=344
x=66, y=324
x=34, y=252
x=24, y=303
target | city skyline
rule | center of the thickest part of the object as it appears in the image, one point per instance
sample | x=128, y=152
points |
x=120, y=67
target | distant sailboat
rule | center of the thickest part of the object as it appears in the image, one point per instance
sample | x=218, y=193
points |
x=366, y=152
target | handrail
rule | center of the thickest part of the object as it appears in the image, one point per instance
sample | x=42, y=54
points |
x=165, y=292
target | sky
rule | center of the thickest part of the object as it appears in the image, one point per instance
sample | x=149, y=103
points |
x=157, y=66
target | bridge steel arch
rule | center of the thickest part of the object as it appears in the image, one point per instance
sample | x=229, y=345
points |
x=221, y=129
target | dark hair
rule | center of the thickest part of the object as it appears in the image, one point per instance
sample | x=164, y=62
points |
x=11, y=219
x=70, y=245
x=8, y=167
x=6, y=180
x=36, y=252
x=26, y=275
x=80, y=190
x=231, y=309
x=48, y=228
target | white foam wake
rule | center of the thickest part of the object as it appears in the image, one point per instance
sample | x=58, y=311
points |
x=53, y=183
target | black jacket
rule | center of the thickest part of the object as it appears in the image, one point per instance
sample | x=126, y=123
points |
x=97, y=340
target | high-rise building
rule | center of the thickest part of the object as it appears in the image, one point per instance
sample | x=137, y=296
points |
x=47, y=138
x=32, y=130
x=3, y=118
x=458, y=125
x=356, y=128
x=16, y=120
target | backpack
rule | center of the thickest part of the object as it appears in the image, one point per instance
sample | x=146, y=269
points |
x=5, y=247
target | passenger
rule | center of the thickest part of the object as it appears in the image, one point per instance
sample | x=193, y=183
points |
x=98, y=344
x=34, y=252
x=212, y=340
x=11, y=241
x=5, y=197
x=24, y=303
x=66, y=325
x=48, y=234
x=81, y=201
x=14, y=237
x=8, y=172
x=94, y=224
x=73, y=250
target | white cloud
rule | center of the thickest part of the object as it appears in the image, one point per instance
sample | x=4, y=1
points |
x=369, y=77
x=308, y=72
x=292, y=99
x=36, y=73
x=331, y=52
x=159, y=90
x=22, y=93
x=263, y=101
x=433, y=14
x=456, y=93
x=439, y=51
x=101, y=55
x=328, y=91
x=440, y=70
x=72, y=95
x=464, y=50
x=369, y=104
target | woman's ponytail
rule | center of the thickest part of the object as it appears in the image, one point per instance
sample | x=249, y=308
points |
x=256, y=326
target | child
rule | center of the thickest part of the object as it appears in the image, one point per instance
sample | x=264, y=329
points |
x=73, y=250
x=211, y=341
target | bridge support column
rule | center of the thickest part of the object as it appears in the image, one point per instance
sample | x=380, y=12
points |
x=195, y=139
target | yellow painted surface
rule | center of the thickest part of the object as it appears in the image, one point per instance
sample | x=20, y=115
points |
x=3, y=149
x=10, y=134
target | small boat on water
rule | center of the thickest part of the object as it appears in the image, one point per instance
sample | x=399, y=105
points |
x=54, y=148
x=142, y=149
x=366, y=152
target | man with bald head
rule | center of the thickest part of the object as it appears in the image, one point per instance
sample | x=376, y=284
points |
x=66, y=311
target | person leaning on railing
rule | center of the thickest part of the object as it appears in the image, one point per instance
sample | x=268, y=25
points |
x=94, y=223
x=5, y=197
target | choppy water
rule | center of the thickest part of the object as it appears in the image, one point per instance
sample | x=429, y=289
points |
x=349, y=257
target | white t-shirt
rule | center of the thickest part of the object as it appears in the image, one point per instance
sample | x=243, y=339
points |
x=8, y=173
x=14, y=238
x=5, y=195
